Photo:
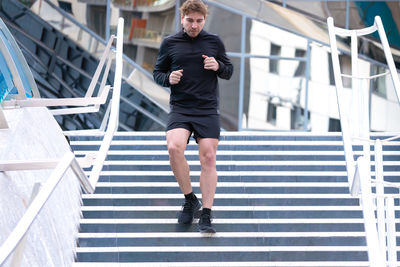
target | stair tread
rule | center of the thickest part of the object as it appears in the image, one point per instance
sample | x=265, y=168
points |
x=280, y=196
x=230, y=264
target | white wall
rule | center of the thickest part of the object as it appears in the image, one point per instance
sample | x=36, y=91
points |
x=34, y=134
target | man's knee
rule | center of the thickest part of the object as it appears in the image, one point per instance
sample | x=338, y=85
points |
x=208, y=159
x=176, y=149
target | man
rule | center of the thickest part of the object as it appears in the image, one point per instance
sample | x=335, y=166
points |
x=190, y=62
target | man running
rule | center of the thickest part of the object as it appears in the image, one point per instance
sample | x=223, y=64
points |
x=190, y=62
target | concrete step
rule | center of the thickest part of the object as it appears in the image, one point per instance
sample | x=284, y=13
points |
x=282, y=200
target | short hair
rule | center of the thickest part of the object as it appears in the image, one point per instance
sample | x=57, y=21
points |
x=190, y=6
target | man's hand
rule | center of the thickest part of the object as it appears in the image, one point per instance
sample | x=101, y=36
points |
x=210, y=63
x=175, y=76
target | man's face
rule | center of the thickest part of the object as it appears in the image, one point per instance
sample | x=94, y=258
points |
x=193, y=23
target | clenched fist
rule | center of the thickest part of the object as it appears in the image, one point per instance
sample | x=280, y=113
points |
x=210, y=63
x=175, y=76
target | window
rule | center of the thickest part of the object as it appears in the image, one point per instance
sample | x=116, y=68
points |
x=345, y=68
x=301, y=68
x=334, y=125
x=297, y=118
x=274, y=63
x=331, y=74
x=378, y=85
x=65, y=6
x=271, y=113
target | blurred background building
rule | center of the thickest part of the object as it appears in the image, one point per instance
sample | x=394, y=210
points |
x=283, y=78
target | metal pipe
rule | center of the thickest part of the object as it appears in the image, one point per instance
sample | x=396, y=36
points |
x=347, y=13
x=108, y=10
x=307, y=83
x=177, y=16
x=242, y=69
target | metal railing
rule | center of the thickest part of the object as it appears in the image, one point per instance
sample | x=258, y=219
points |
x=91, y=104
x=37, y=204
x=133, y=74
x=359, y=172
x=68, y=160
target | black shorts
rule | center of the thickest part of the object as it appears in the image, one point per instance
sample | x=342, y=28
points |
x=202, y=126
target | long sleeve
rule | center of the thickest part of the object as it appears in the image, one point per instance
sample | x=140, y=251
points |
x=162, y=68
x=225, y=70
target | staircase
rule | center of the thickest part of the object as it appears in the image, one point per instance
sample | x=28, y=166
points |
x=282, y=200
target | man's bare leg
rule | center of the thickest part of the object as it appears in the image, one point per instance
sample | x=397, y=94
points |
x=176, y=142
x=208, y=181
x=208, y=176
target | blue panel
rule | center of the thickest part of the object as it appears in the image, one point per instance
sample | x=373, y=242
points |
x=6, y=81
x=368, y=10
x=20, y=69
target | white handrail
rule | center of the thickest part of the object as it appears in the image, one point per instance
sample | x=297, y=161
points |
x=68, y=160
x=114, y=114
x=381, y=236
x=33, y=210
x=88, y=100
x=48, y=102
x=348, y=149
x=388, y=55
x=375, y=255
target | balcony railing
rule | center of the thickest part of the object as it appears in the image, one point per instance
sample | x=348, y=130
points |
x=140, y=4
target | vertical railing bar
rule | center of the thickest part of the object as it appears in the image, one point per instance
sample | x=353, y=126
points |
x=108, y=11
x=114, y=113
x=388, y=55
x=242, y=69
x=177, y=16
x=308, y=63
x=376, y=258
x=347, y=14
x=104, y=79
x=380, y=190
x=355, y=84
x=106, y=117
x=391, y=232
x=99, y=68
x=348, y=149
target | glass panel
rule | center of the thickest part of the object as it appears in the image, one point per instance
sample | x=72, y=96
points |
x=6, y=80
x=378, y=85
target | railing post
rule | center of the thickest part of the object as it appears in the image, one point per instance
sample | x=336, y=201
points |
x=348, y=149
x=108, y=20
x=347, y=14
x=242, y=66
x=389, y=57
x=380, y=191
x=391, y=232
x=114, y=113
x=308, y=63
x=177, y=16
x=375, y=255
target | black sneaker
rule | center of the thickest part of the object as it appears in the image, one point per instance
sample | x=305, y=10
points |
x=189, y=210
x=205, y=224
